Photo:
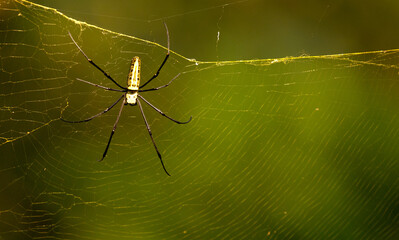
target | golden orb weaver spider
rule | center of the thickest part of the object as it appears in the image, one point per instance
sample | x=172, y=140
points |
x=130, y=95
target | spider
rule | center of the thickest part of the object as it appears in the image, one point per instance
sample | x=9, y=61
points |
x=130, y=95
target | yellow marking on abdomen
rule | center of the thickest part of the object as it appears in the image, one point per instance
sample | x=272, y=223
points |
x=133, y=81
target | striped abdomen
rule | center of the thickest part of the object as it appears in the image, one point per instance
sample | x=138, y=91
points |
x=133, y=81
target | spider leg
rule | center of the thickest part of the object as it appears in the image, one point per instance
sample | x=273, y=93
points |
x=164, y=61
x=96, y=85
x=152, y=139
x=98, y=114
x=163, y=114
x=113, y=130
x=92, y=63
x=163, y=86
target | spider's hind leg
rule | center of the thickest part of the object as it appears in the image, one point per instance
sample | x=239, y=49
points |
x=152, y=139
x=113, y=130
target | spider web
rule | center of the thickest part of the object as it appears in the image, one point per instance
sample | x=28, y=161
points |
x=288, y=148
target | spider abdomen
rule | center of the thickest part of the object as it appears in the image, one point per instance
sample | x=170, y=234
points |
x=133, y=81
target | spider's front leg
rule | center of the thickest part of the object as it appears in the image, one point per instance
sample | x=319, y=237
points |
x=92, y=63
x=164, y=61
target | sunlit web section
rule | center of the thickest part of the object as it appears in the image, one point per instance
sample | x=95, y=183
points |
x=297, y=147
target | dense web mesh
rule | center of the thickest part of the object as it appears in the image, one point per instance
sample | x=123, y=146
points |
x=291, y=148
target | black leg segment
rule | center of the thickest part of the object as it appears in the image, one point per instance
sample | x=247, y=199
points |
x=97, y=115
x=164, y=61
x=152, y=139
x=163, y=114
x=113, y=130
x=95, y=65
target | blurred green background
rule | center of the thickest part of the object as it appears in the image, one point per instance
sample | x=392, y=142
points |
x=249, y=29
x=279, y=147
